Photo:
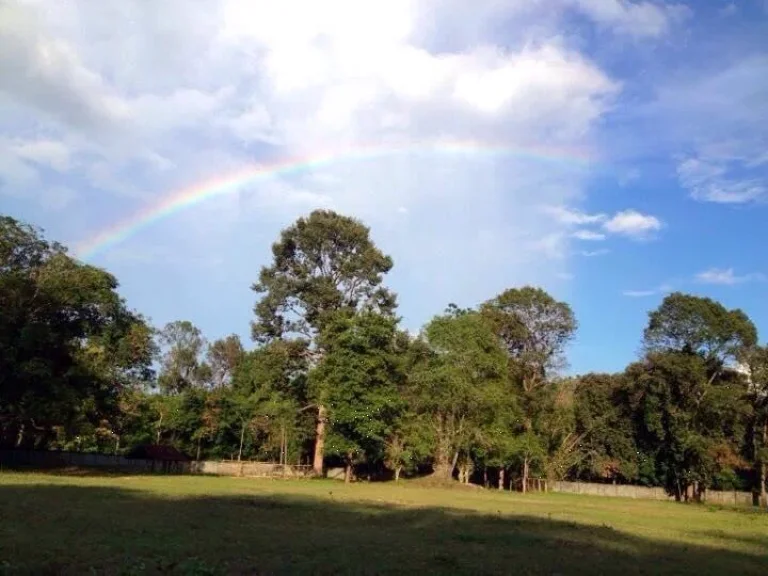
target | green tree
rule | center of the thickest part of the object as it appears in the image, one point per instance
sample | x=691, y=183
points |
x=360, y=373
x=692, y=402
x=456, y=381
x=322, y=264
x=68, y=344
x=603, y=424
x=270, y=387
x=182, y=345
x=757, y=363
x=697, y=325
x=534, y=329
x=223, y=357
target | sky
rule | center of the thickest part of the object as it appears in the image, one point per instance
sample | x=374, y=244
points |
x=610, y=151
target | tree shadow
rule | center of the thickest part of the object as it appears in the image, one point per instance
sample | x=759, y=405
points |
x=59, y=529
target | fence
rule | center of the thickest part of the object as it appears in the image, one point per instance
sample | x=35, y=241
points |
x=731, y=498
x=44, y=459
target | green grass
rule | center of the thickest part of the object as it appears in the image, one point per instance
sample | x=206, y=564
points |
x=58, y=524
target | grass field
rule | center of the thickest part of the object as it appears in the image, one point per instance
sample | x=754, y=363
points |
x=59, y=524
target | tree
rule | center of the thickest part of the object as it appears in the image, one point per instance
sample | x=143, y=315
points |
x=534, y=329
x=322, y=264
x=603, y=420
x=696, y=325
x=360, y=372
x=691, y=401
x=223, y=357
x=68, y=343
x=688, y=422
x=757, y=363
x=271, y=384
x=182, y=344
x=456, y=381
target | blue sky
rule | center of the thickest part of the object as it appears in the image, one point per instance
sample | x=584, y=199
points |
x=107, y=108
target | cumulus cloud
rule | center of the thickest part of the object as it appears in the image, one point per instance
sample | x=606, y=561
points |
x=726, y=277
x=392, y=120
x=630, y=223
x=633, y=224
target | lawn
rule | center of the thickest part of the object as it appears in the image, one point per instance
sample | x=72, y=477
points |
x=63, y=524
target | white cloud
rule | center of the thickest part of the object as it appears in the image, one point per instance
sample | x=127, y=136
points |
x=588, y=235
x=570, y=216
x=707, y=180
x=715, y=113
x=632, y=223
x=48, y=153
x=726, y=277
x=147, y=98
x=632, y=17
x=629, y=223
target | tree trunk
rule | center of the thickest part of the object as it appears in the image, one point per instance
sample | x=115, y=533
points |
x=485, y=477
x=764, y=469
x=348, y=470
x=242, y=437
x=525, y=475
x=117, y=444
x=197, y=458
x=443, y=467
x=317, y=463
x=159, y=429
x=397, y=472
x=501, y=478
x=20, y=435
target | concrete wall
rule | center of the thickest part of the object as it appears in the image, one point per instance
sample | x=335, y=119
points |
x=731, y=498
x=250, y=469
x=43, y=459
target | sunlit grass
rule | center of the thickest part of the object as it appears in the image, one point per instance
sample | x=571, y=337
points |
x=205, y=525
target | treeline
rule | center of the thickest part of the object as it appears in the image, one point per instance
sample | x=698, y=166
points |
x=334, y=381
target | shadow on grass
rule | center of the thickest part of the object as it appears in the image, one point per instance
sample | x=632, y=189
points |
x=52, y=529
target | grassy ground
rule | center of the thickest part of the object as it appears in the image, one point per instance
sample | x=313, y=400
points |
x=58, y=524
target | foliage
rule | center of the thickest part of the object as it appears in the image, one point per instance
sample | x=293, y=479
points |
x=457, y=379
x=321, y=264
x=360, y=375
x=68, y=344
x=182, y=344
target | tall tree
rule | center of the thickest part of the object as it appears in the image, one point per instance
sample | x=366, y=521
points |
x=534, y=329
x=757, y=363
x=691, y=402
x=457, y=384
x=67, y=341
x=604, y=427
x=362, y=371
x=322, y=264
x=697, y=325
x=182, y=344
x=223, y=357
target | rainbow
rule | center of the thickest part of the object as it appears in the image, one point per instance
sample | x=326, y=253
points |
x=185, y=198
